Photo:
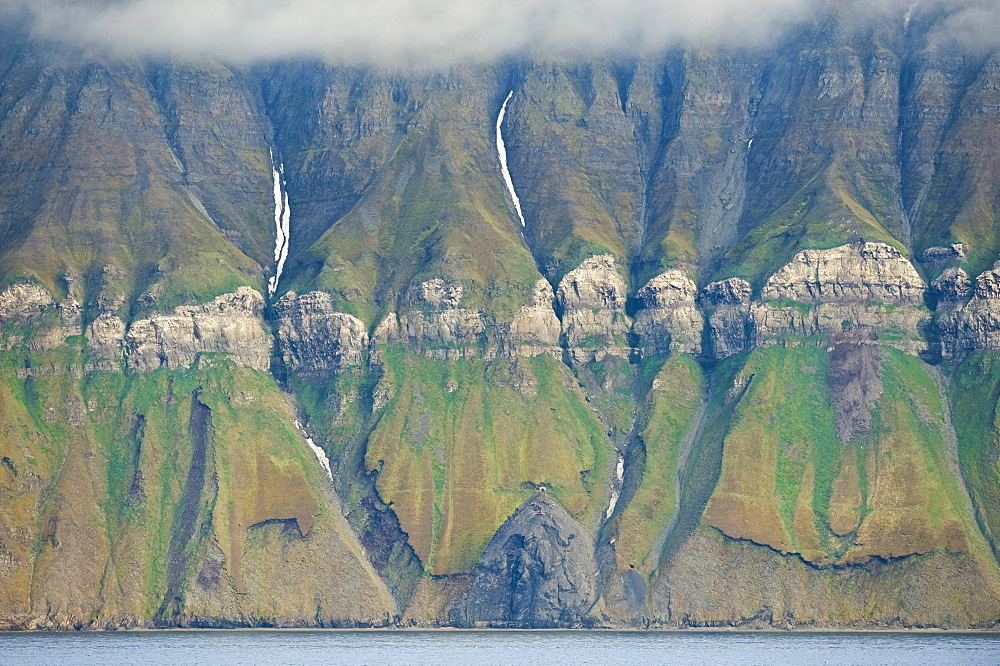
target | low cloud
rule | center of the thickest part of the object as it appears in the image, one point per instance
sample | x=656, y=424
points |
x=976, y=29
x=432, y=31
x=429, y=32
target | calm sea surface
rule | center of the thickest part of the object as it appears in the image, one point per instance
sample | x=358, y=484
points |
x=499, y=647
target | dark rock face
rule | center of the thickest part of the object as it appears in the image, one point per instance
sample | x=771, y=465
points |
x=538, y=571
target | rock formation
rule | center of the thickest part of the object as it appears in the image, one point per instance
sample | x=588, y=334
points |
x=859, y=272
x=860, y=291
x=230, y=324
x=437, y=323
x=538, y=571
x=696, y=375
x=22, y=301
x=728, y=305
x=669, y=318
x=314, y=338
x=592, y=300
x=535, y=328
x=968, y=324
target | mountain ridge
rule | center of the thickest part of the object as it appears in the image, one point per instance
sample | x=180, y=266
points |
x=736, y=368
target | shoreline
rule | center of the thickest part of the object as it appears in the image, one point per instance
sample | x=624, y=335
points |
x=469, y=630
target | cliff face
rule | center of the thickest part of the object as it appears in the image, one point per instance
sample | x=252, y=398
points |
x=739, y=367
x=537, y=571
x=592, y=299
x=969, y=313
x=314, y=338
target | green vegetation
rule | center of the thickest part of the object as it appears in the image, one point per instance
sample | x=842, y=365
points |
x=671, y=404
x=456, y=455
x=813, y=469
x=789, y=482
x=974, y=394
x=440, y=212
x=115, y=456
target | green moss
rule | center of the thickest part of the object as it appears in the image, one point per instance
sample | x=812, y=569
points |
x=975, y=394
x=455, y=456
x=673, y=393
x=438, y=211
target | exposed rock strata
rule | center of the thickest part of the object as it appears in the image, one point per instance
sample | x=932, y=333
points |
x=953, y=286
x=535, y=328
x=315, y=338
x=106, y=335
x=669, y=319
x=231, y=324
x=592, y=299
x=856, y=272
x=22, y=301
x=954, y=252
x=968, y=324
x=729, y=322
x=861, y=292
x=438, y=323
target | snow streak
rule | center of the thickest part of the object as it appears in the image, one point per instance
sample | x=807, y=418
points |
x=502, y=152
x=616, y=486
x=282, y=216
x=908, y=15
x=324, y=461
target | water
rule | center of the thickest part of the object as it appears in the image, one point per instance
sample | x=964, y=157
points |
x=498, y=647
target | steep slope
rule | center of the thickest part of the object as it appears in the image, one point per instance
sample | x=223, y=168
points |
x=736, y=368
x=151, y=499
x=87, y=165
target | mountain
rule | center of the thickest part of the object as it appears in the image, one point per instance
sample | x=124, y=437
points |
x=276, y=348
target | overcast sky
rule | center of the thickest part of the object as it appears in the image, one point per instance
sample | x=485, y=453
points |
x=433, y=31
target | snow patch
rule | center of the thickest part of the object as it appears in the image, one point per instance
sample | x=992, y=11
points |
x=616, y=486
x=282, y=218
x=320, y=454
x=502, y=152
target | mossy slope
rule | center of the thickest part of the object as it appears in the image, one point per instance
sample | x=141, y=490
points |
x=92, y=191
x=181, y=496
x=455, y=455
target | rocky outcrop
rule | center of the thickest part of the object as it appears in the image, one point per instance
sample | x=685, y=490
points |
x=860, y=292
x=315, y=338
x=728, y=305
x=230, y=324
x=105, y=336
x=859, y=272
x=538, y=571
x=669, y=318
x=592, y=299
x=437, y=323
x=22, y=301
x=895, y=325
x=535, y=328
x=952, y=287
x=965, y=323
x=954, y=252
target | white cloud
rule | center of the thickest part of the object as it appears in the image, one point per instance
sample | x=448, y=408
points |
x=436, y=32
x=431, y=31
